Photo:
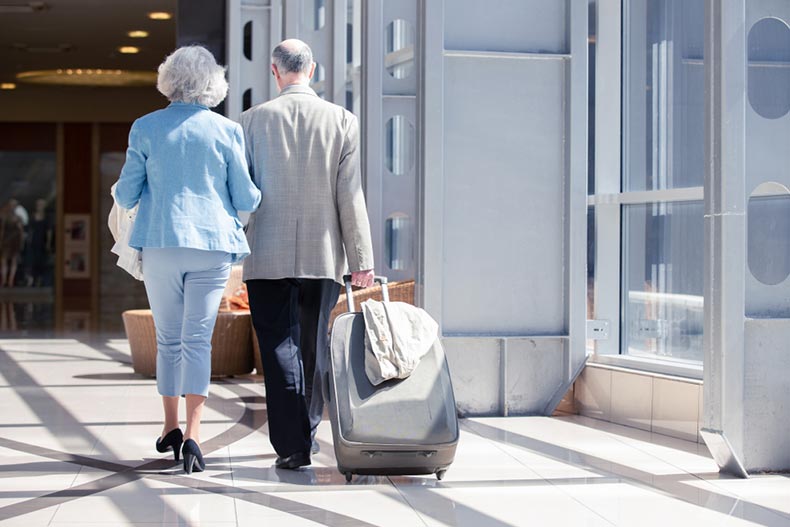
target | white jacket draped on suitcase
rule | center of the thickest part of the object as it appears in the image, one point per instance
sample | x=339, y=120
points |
x=397, y=335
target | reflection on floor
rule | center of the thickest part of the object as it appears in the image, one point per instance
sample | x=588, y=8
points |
x=77, y=429
x=26, y=310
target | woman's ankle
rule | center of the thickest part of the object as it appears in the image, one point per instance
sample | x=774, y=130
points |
x=168, y=428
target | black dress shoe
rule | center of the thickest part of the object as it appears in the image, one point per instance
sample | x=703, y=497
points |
x=193, y=457
x=299, y=459
x=172, y=440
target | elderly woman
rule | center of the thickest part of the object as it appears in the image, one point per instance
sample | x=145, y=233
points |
x=186, y=168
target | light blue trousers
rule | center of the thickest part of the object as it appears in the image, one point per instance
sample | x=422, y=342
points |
x=184, y=289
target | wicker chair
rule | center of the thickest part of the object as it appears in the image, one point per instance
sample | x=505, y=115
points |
x=140, y=330
x=234, y=282
x=398, y=291
x=231, y=343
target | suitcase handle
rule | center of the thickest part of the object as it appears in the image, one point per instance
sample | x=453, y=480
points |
x=405, y=453
x=349, y=293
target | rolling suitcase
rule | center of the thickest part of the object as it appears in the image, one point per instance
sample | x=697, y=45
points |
x=406, y=426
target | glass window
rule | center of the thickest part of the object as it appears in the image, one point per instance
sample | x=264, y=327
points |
x=353, y=72
x=399, y=145
x=663, y=150
x=662, y=286
x=663, y=94
x=399, y=49
x=398, y=242
x=318, y=83
x=590, y=271
x=27, y=240
x=769, y=68
x=315, y=14
x=590, y=262
x=592, y=23
x=768, y=234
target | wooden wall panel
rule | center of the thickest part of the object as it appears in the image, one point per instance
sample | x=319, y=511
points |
x=76, y=294
x=35, y=137
x=77, y=168
x=114, y=137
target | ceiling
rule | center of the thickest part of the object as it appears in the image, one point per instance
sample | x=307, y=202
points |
x=82, y=34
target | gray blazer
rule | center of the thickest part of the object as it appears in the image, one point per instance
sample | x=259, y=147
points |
x=303, y=154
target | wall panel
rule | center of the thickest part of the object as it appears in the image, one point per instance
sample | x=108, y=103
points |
x=523, y=26
x=504, y=206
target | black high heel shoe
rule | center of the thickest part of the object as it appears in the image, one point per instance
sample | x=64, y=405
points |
x=193, y=457
x=172, y=440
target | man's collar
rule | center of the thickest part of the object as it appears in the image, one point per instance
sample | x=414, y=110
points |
x=297, y=88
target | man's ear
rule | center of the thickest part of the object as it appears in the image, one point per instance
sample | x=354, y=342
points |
x=312, y=71
x=275, y=71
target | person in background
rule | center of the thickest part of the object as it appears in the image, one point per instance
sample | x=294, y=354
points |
x=39, y=243
x=186, y=168
x=304, y=152
x=12, y=239
x=21, y=211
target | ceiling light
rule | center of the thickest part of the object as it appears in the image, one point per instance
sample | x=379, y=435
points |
x=160, y=15
x=137, y=33
x=129, y=50
x=89, y=77
x=7, y=86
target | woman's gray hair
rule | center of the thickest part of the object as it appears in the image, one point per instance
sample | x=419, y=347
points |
x=290, y=60
x=190, y=74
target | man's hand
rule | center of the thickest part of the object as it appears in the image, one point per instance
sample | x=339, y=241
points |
x=362, y=278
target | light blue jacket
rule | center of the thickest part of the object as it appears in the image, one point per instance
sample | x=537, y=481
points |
x=186, y=167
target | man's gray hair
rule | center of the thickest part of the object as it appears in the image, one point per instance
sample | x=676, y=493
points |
x=190, y=74
x=288, y=60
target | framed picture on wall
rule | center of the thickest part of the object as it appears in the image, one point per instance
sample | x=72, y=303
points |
x=77, y=228
x=76, y=245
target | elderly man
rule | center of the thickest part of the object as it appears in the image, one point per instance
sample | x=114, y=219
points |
x=303, y=153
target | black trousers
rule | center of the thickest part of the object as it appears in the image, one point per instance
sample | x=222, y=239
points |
x=291, y=319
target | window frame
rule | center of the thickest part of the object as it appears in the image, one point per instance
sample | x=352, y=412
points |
x=609, y=199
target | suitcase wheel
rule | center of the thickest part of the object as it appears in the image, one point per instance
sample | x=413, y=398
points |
x=440, y=474
x=348, y=476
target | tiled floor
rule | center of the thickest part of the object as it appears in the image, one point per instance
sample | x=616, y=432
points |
x=76, y=448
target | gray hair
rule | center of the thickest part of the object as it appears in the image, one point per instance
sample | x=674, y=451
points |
x=190, y=74
x=290, y=60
